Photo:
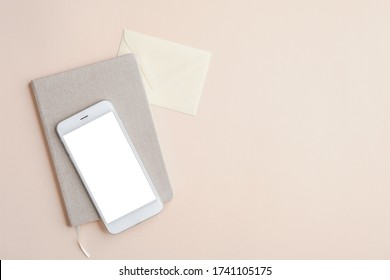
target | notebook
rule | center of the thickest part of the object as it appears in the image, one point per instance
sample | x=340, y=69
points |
x=62, y=95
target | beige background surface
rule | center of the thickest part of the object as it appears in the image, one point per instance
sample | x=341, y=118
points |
x=287, y=158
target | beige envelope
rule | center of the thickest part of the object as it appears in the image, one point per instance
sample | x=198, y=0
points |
x=173, y=74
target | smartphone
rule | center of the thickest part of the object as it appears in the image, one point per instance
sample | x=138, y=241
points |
x=109, y=166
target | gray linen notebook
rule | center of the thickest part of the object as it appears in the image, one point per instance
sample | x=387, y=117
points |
x=62, y=95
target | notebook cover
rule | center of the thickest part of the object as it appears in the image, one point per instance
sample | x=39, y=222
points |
x=62, y=95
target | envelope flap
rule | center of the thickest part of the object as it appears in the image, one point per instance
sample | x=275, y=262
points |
x=162, y=61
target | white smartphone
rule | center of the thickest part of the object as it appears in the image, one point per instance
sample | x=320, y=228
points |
x=109, y=166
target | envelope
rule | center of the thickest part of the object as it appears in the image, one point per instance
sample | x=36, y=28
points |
x=173, y=74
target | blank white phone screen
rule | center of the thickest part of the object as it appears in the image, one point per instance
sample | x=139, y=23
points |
x=109, y=167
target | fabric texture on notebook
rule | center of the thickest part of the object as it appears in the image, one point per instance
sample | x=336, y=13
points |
x=62, y=95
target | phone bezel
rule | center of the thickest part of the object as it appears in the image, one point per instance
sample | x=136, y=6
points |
x=84, y=117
